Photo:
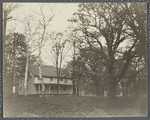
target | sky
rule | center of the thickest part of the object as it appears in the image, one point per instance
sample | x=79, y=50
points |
x=30, y=12
x=59, y=23
x=62, y=12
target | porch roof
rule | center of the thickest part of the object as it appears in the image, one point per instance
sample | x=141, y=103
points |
x=54, y=84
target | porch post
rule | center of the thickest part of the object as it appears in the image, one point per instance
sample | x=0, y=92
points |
x=76, y=89
x=49, y=89
x=59, y=89
x=39, y=89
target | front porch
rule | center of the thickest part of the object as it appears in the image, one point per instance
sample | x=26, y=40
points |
x=52, y=89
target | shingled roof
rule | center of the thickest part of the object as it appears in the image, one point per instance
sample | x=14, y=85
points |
x=47, y=71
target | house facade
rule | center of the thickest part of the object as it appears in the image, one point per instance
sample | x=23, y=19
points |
x=50, y=82
x=51, y=86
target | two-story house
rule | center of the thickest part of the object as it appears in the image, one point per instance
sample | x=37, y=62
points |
x=49, y=75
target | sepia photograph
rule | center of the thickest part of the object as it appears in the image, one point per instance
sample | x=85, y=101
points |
x=75, y=60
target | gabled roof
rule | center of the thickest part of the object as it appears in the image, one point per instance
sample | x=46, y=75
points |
x=47, y=71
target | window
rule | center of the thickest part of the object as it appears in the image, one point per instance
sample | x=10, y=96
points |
x=46, y=88
x=66, y=81
x=52, y=88
x=64, y=88
x=36, y=87
x=20, y=87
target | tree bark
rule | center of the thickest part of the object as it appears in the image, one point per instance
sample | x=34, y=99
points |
x=14, y=62
x=26, y=73
x=112, y=88
x=40, y=71
x=97, y=89
x=5, y=81
x=102, y=91
x=135, y=89
x=112, y=81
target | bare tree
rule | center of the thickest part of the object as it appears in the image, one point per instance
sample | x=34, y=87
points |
x=30, y=37
x=43, y=26
x=60, y=46
x=35, y=32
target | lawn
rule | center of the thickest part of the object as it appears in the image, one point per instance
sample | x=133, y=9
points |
x=73, y=106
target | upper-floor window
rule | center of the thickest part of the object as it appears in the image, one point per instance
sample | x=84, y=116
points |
x=66, y=81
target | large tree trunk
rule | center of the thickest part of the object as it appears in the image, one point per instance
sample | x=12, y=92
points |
x=125, y=91
x=100, y=89
x=97, y=89
x=97, y=85
x=112, y=82
x=112, y=88
x=135, y=86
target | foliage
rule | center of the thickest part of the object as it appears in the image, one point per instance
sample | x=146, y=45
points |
x=104, y=30
x=16, y=48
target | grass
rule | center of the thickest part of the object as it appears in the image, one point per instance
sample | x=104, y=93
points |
x=75, y=105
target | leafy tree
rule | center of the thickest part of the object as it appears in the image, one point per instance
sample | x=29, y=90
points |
x=77, y=73
x=136, y=18
x=103, y=28
x=98, y=70
x=16, y=48
x=7, y=9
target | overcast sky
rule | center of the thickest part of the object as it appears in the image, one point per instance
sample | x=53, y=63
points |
x=62, y=12
x=31, y=12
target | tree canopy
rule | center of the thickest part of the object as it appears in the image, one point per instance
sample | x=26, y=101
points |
x=112, y=30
